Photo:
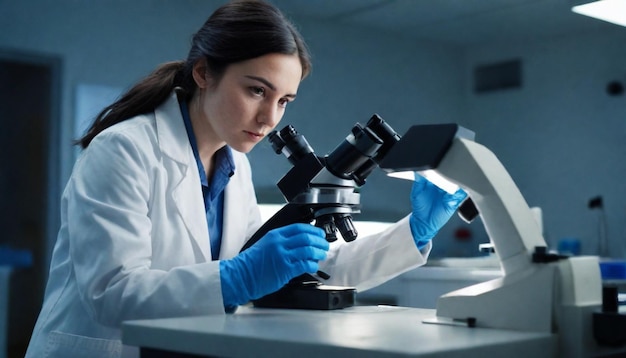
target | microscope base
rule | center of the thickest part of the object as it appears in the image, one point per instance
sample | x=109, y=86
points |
x=306, y=296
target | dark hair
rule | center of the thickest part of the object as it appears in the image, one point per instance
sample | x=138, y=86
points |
x=237, y=31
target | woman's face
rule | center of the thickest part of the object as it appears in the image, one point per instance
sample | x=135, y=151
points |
x=247, y=102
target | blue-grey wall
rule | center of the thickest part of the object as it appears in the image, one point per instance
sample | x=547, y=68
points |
x=560, y=135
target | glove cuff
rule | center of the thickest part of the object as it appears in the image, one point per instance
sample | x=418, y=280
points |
x=234, y=291
x=421, y=238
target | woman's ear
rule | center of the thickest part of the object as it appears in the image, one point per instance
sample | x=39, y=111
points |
x=201, y=74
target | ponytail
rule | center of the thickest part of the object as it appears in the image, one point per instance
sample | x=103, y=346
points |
x=142, y=98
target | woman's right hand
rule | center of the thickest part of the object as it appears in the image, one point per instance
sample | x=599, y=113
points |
x=269, y=264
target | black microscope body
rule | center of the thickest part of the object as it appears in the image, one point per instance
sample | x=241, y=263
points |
x=323, y=190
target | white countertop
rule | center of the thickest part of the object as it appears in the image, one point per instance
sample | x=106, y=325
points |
x=360, y=331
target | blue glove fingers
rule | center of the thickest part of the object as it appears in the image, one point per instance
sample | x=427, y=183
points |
x=306, y=240
x=304, y=259
x=306, y=253
x=294, y=229
x=432, y=208
x=418, y=185
x=301, y=265
x=308, y=267
x=422, y=185
x=298, y=235
x=453, y=201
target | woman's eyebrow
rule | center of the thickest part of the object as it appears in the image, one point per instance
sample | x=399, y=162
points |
x=263, y=80
x=267, y=83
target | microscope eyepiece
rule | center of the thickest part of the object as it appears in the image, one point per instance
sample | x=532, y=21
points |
x=358, y=147
x=359, y=154
x=277, y=142
x=384, y=132
x=291, y=143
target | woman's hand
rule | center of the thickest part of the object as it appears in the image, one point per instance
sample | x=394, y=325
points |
x=432, y=208
x=269, y=264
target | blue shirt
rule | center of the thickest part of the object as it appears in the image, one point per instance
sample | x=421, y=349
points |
x=213, y=191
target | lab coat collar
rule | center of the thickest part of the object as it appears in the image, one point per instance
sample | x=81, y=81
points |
x=171, y=130
x=187, y=192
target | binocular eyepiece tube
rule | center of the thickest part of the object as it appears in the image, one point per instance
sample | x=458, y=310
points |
x=346, y=168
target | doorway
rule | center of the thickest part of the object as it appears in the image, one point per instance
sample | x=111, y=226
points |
x=29, y=166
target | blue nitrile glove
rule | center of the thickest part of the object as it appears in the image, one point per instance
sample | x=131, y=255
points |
x=432, y=208
x=270, y=263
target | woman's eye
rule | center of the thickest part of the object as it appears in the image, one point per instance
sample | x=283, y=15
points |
x=283, y=102
x=257, y=91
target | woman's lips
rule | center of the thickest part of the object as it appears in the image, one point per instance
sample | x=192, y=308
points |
x=255, y=136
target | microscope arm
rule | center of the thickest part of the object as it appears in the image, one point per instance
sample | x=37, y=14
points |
x=522, y=298
x=508, y=220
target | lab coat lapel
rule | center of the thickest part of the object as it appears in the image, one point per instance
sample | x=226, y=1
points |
x=232, y=225
x=235, y=221
x=181, y=166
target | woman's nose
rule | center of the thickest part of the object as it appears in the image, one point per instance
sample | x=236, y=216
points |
x=269, y=115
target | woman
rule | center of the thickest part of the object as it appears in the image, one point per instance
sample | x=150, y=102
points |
x=161, y=200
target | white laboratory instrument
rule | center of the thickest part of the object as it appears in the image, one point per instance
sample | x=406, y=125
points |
x=539, y=291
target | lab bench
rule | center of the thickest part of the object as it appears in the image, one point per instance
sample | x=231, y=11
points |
x=359, y=331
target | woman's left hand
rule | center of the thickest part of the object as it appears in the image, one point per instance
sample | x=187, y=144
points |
x=432, y=208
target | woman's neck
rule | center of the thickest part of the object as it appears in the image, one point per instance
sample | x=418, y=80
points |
x=206, y=140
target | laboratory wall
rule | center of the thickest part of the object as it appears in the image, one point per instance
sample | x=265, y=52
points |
x=562, y=133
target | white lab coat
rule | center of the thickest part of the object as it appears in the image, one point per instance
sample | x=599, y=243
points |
x=133, y=242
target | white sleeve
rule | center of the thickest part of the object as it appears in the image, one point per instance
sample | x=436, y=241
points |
x=372, y=260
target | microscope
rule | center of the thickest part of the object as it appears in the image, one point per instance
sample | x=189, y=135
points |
x=323, y=190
